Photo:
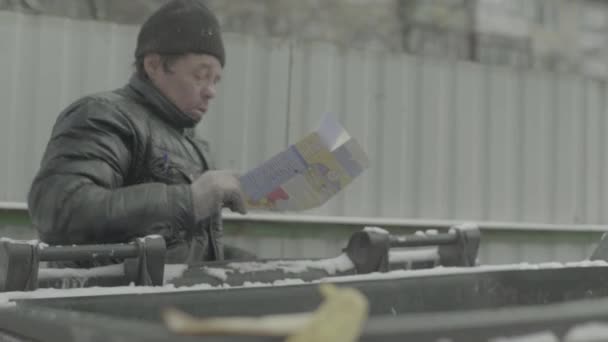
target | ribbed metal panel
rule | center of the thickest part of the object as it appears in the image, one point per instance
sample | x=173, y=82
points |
x=447, y=140
x=46, y=64
x=453, y=140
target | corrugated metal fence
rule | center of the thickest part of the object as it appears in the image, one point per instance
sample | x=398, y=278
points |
x=448, y=140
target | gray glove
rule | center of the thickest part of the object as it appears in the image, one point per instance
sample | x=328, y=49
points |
x=217, y=189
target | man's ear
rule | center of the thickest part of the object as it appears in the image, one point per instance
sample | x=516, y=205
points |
x=152, y=64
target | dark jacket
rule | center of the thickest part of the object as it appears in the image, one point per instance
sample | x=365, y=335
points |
x=118, y=166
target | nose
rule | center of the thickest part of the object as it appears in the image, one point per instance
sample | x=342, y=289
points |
x=209, y=91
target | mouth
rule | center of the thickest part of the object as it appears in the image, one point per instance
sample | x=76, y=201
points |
x=198, y=113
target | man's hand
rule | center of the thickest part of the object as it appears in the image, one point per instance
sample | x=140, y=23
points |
x=217, y=189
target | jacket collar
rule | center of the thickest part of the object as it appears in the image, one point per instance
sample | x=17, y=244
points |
x=162, y=107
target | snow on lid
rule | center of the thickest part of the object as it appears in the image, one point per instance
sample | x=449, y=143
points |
x=544, y=336
x=7, y=297
x=340, y=263
x=279, y=282
x=28, y=242
x=423, y=233
x=587, y=332
x=254, y=284
x=375, y=230
x=554, y=264
x=439, y=270
x=173, y=271
x=219, y=273
x=587, y=263
x=289, y=281
x=102, y=271
x=154, y=236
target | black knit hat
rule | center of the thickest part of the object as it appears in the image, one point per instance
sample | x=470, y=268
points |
x=181, y=26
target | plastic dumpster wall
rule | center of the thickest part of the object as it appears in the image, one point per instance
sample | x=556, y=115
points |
x=398, y=296
x=478, y=325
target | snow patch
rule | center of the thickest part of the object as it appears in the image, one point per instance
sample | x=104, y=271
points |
x=173, y=271
x=84, y=273
x=440, y=270
x=219, y=273
x=7, y=298
x=588, y=332
x=26, y=242
x=254, y=284
x=340, y=263
x=280, y=282
x=288, y=281
x=377, y=230
x=148, y=237
x=587, y=263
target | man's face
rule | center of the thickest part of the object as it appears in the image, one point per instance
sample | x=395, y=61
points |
x=190, y=81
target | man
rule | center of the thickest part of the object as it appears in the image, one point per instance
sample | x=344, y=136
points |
x=121, y=164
